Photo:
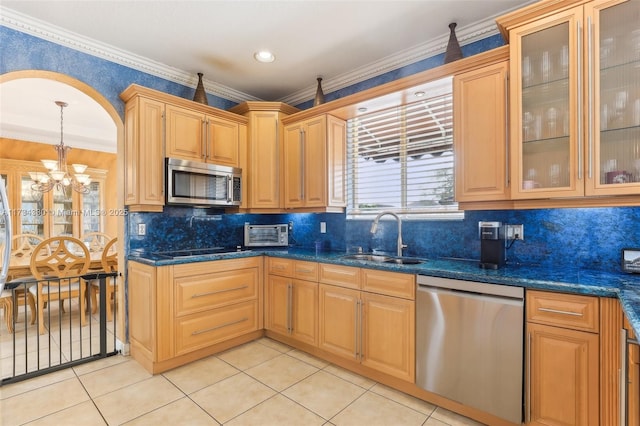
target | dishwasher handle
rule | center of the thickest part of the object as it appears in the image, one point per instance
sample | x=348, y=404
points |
x=426, y=283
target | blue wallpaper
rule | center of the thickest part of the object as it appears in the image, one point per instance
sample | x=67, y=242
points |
x=589, y=238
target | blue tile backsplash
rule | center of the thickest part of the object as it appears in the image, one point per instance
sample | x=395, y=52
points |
x=589, y=238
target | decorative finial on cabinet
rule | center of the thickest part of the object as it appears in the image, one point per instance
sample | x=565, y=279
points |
x=200, y=95
x=319, y=99
x=453, y=52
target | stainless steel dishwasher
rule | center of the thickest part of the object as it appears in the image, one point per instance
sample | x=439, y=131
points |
x=469, y=344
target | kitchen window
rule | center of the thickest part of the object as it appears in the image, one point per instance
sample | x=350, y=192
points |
x=401, y=159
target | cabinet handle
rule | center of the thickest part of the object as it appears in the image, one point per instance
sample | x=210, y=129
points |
x=217, y=327
x=209, y=293
x=302, y=171
x=557, y=311
x=357, y=330
x=528, y=415
x=579, y=92
x=164, y=152
x=506, y=129
x=204, y=140
x=304, y=271
x=590, y=97
x=289, y=303
x=278, y=150
x=622, y=377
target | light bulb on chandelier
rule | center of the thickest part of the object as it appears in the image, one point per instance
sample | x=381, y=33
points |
x=57, y=175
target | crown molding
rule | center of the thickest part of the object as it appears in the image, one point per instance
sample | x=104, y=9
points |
x=465, y=35
x=44, y=30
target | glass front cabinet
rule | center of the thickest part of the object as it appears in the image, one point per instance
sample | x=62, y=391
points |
x=575, y=101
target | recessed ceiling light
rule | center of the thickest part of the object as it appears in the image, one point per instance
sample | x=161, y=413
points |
x=362, y=109
x=264, y=56
x=419, y=94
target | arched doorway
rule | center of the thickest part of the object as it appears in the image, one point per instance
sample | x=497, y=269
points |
x=98, y=102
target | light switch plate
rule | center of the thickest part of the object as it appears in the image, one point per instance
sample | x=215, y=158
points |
x=323, y=227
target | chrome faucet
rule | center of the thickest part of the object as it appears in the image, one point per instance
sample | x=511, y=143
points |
x=374, y=227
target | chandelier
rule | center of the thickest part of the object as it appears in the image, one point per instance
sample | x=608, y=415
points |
x=57, y=175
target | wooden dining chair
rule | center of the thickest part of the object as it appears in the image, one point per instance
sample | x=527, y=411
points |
x=109, y=264
x=95, y=241
x=22, y=247
x=58, y=273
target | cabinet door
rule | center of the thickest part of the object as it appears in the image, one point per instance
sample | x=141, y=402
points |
x=613, y=97
x=264, y=160
x=336, y=162
x=277, y=314
x=339, y=327
x=304, y=312
x=480, y=131
x=185, y=138
x=222, y=142
x=546, y=107
x=314, y=154
x=388, y=335
x=562, y=376
x=294, y=166
x=144, y=153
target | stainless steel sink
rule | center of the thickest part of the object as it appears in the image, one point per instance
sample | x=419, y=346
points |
x=367, y=257
x=404, y=261
x=379, y=258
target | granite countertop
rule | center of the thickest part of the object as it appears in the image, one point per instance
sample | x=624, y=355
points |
x=625, y=287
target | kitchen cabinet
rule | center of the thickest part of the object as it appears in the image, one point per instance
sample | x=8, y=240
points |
x=143, y=153
x=180, y=313
x=265, y=154
x=562, y=365
x=376, y=327
x=159, y=125
x=197, y=136
x=480, y=134
x=315, y=164
x=575, y=99
x=292, y=299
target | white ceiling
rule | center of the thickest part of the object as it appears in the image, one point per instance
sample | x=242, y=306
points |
x=344, y=42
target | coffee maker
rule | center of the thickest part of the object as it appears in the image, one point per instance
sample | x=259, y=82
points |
x=492, y=245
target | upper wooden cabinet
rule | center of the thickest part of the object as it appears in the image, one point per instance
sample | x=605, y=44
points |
x=159, y=125
x=193, y=135
x=315, y=164
x=575, y=98
x=480, y=134
x=264, y=154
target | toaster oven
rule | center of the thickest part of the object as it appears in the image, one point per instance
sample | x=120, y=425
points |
x=266, y=235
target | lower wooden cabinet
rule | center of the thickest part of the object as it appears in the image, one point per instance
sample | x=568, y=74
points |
x=292, y=308
x=180, y=313
x=562, y=371
x=376, y=330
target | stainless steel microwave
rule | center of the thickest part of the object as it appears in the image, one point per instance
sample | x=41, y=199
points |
x=201, y=184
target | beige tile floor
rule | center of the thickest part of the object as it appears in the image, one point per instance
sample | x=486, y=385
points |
x=259, y=383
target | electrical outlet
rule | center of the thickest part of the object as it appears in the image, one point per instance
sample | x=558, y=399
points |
x=515, y=230
x=323, y=227
x=142, y=229
x=291, y=226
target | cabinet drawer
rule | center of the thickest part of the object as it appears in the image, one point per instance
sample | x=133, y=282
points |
x=208, y=328
x=563, y=310
x=305, y=270
x=343, y=276
x=199, y=293
x=389, y=283
x=279, y=266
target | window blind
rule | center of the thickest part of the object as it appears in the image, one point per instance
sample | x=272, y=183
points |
x=401, y=159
